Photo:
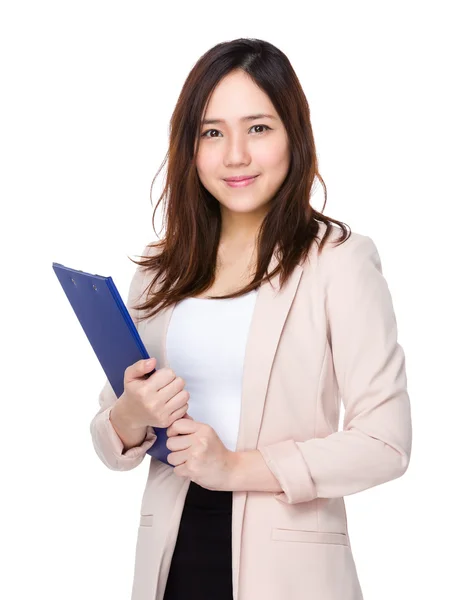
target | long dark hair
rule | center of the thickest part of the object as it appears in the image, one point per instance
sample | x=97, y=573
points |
x=185, y=260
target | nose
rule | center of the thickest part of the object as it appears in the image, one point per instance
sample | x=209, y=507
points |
x=236, y=151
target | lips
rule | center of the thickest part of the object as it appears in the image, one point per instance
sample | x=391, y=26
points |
x=240, y=178
x=241, y=183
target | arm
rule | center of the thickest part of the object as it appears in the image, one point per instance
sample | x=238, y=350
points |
x=108, y=444
x=375, y=444
x=250, y=473
x=129, y=435
x=106, y=441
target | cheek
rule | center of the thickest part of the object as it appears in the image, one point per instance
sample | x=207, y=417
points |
x=206, y=162
x=272, y=155
x=275, y=164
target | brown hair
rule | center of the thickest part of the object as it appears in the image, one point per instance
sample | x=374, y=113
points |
x=185, y=262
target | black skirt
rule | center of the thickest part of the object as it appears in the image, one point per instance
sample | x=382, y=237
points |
x=201, y=567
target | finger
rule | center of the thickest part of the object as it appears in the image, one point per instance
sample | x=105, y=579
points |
x=177, y=414
x=177, y=458
x=181, y=470
x=182, y=426
x=179, y=442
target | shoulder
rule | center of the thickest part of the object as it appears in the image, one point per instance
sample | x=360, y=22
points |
x=150, y=251
x=356, y=251
x=153, y=248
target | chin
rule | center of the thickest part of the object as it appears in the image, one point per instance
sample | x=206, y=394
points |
x=243, y=210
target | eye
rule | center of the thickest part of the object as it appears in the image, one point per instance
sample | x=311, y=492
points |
x=266, y=127
x=209, y=130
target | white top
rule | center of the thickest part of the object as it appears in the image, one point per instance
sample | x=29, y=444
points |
x=206, y=342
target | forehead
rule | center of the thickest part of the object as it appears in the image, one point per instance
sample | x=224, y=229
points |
x=236, y=99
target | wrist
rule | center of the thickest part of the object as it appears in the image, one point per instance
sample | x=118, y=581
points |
x=250, y=472
x=236, y=482
x=120, y=416
x=129, y=435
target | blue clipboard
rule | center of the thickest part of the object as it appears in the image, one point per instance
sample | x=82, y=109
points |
x=111, y=332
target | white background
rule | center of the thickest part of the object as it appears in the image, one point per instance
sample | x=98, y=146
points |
x=87, y=93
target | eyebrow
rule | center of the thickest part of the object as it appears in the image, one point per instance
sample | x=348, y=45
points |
x=247, y=118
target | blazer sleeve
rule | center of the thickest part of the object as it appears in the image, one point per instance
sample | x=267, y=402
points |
x=107, y=443
x=369, y=363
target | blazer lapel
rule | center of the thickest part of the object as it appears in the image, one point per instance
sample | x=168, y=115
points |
x=269, y=316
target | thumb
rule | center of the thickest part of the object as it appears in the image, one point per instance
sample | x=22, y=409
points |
x=145, y=367
x=187, y=416
x=141, y=368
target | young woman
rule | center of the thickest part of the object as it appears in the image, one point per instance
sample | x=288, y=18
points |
x=261, y=315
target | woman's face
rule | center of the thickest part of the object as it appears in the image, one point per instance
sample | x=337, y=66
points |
x=236, y=146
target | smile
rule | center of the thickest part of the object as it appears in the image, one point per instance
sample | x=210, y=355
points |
x=243, y=183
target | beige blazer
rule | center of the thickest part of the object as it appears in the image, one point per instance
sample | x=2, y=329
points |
x=329, y=335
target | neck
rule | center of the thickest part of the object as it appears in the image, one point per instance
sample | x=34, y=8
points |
x=240, y=230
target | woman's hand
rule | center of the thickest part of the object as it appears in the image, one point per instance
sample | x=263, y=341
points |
x=158, y=401
x=199, y=454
